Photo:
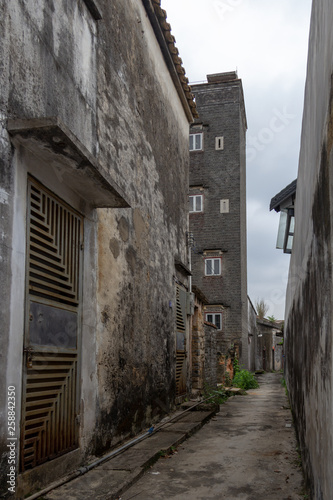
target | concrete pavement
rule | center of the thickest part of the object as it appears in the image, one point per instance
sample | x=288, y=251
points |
x=110, y=479
x=245, y=452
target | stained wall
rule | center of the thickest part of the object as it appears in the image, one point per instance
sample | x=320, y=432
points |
x=309, y=321
x=104, y=78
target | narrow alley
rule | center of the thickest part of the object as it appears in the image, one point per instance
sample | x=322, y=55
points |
x=247, y=451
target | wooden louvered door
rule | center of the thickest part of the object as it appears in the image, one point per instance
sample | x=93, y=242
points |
x=50, y=364
x=180, y=341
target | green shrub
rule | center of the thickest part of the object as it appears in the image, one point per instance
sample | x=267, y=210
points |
x=216, y=396
x=245, y=380
x=236, y=366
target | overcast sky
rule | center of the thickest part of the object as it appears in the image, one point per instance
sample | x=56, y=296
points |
x=267, y=43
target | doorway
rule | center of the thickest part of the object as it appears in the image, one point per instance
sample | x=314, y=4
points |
x=181, y=352
x=52, y=327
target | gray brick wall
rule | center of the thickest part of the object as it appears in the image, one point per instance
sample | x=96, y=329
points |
x=220, y=174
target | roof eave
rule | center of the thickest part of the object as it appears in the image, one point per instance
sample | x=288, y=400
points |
x=286, y=193
x=166, y=40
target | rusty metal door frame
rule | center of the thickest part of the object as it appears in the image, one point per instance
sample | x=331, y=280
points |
x=52, y=336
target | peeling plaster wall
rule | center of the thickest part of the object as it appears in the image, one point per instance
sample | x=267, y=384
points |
x=252, y=336
x=268, y=350
x=309, y=318
x=51, y=47
x=108, y=83
x=204, y=351
x=210, y=373
x=48, y=68
x=198, y=347
x=148, y=155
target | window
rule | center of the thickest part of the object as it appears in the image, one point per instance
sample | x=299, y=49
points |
x=196, y=203
x=213, y=267
x=286, y=230
x=215, y=318
x=224, y=206
x=219, y=143
x=196, y=142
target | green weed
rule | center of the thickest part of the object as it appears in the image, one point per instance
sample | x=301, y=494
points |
x=216, y=396
x=284, y=383
x=245, y=380
x=236, y=366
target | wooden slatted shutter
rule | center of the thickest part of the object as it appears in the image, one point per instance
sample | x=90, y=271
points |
x=180, y=341
x=49, y=410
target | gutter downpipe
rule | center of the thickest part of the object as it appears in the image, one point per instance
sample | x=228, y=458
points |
x=190, y=244
x=87, y=468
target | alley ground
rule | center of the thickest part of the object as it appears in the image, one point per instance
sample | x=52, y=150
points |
x=247, y=452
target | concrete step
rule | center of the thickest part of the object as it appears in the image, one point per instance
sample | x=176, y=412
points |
x=110, y=479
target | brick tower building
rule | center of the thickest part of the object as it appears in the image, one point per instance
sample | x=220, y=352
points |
x=218, y=210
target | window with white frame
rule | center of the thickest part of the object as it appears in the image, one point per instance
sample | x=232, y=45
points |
x=215, y=318
x=213, y=266
x=196, y=142
x=196, y=203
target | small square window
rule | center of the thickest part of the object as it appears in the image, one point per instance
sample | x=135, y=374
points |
x=219, y=143
x=196, y=142
x=196, y=203
x=213, y=267
x=215, y=318
x=224, y=206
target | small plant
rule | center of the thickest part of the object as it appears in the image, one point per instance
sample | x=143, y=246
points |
x=216, y=396
x=272, y=318
x=298, y=460
x=167, y=453
x=245, y=380
x=236, y=366
x=284, y=383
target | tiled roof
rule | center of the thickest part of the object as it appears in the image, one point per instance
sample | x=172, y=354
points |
x=268, y=323
x=178, y=63
x=283, y=195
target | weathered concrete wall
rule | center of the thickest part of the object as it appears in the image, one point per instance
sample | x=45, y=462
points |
x=225, y=360
x=252, y=336
x=308, y=330
x=109, y=85
x=220, y=175
x=278, y=358
x=198, y=347
x=48, y=68
x=138, y=103
x=269, y=348
x=210, y=375
x=204, y=351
